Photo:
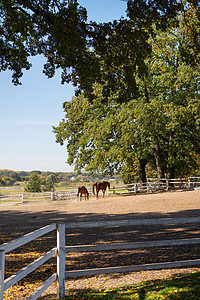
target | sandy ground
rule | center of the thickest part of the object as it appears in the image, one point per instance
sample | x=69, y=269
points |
x=152, y=205
x=18, y=219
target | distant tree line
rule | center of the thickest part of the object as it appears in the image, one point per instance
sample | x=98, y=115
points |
x=10, y=177
x=38, y=181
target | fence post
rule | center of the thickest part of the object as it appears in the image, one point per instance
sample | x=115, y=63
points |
x=135, y=188
x=148, y=186
x=61, y=260
x=189, y=183
x=22, y=198
x=113, y=190
x=167, y=184
x=180, y=185
x=2, y=271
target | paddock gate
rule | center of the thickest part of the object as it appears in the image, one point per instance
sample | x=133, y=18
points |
x=61, y=249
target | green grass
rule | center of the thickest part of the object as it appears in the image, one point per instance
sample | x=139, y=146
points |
x=182, y=287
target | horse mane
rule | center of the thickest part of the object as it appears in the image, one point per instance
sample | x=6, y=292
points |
x=107, y=184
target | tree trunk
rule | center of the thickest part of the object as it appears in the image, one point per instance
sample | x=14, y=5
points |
x=142, y=171
x=158, y=159
x=171, y=172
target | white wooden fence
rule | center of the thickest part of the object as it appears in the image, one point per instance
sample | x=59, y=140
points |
x=61, y=249
x=152, y=185
x=193, y=182
x=23, y=197
x=155, y=184
x=134, y=245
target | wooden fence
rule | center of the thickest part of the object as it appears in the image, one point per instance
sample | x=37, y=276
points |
x=24, y=197
x=152, y=185
x=134, y=245
x=193, y=182
x=61, y=249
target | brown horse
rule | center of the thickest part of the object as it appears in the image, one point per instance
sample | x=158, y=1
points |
x=100, y=186
x=82, y=191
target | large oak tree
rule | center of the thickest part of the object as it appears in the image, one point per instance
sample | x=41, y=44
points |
x=159, y=127
x=117, y=57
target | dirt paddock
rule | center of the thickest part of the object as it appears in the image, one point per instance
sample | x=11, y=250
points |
x=18, y=219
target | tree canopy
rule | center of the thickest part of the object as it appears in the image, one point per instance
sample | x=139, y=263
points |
x=159, y=127
x=59, y=31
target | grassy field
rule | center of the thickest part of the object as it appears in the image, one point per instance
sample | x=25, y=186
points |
x=180, y=287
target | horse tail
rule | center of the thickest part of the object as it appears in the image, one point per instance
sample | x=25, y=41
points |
x=93, y=188
x=78, y=191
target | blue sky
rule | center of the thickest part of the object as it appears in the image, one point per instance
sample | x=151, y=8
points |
x=28, y=112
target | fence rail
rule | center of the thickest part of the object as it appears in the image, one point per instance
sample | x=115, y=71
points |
x=139, y=222
x=124, y=269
